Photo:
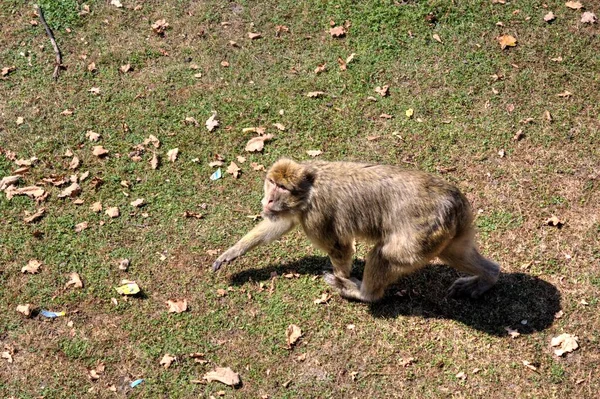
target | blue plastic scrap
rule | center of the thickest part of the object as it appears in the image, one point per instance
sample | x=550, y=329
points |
x=136, y=383
x=51, y=315
x=216, y=175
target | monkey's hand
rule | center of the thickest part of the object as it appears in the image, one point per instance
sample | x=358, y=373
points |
x=226, y=257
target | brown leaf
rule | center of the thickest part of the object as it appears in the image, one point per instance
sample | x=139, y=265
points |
x=32, y=266
x=8, y=181
x=567, y=343
x=338, y=31
x=588, y=18
x=325, y=297
x=279, y=126
x=7, y=355
x=241, y=159
x=386, y=116
x=223, y=374
x=554, y=221
x=152, y=139
x=154, y=161
x=254, y=36
x=35, y=216
x=160, y=26
x=233, y=169
x=95, y=91
x=506, y=41
x=211, y=123
x=74, y=280
x=172, y=154
x=513, y=333
x=279, y=29
x=79, y=227
x=529, y=365
x=292, y=334
x=96, y=207
x=549, y=17
x=574, y=5
x=74, y=164
x=565, y=94
x=177, y=305
x=190, y=120
x=255, y=166
x=221, y=292
x=190, y=214
x=548, y=116
x=137, y=203
x=113, y=212
x=72, y=191
x=7, y=70
x=407, y=361
x=315, y=94
x=437, y=38
x=314, y=153
x=257, y=143
x=167, y=360
x=125, y=68
x=99, y=151
x=461, y=375
x=33, y=192
x=257, y=129
x=321, y=68
x=124, y=264
x=92, y=136
x=383, y=91
x=215, y=164
x=518, y=135
x=24, y=309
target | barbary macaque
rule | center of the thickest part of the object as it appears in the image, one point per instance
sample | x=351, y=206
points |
x=410, y=217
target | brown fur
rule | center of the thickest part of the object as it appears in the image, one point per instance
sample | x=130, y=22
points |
x=410, y=217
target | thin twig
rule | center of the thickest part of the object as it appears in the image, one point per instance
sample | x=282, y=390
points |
x=51, y=36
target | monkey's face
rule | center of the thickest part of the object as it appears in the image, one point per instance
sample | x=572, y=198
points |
x=277, y=200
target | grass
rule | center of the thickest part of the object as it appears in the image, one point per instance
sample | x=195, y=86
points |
x=469, y=99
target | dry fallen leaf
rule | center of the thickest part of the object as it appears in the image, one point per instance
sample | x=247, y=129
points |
x=529, y=365
x=8, y=181
x=137, y=203
x=386, y=116
x=92, y=136
x=506, y=41
x=7, y=355
x=211, y=123
x=74, y=280
x=124, y=264
x=32, y=267
x=256, y=144
x=325, y=297
x=518, y=135
x=167, y=360
x=549, y=17
x=99, y=151
x=548, y=116
x=565, y=94
x=254, y=36
x=20, y=120
x=79, y=227
x=74, y=164
x=314, y=153
x=513, y=333
x=190, y=214
x=96, y=207
x=7, y=70
x=33, y=192
x=154, y=161
x=125, y=68
x=461, y=376
x=95, y=91
x=223, y=374
x=315, y=94
x=338, y=31
x=160, y=26
x=567, y=342
x=383, y=91
x=35, y=216
x=437, y=37
x=554, y=221
x=72, y=191
x=177, y=305
x=279, y=126
x=321, y=68
x=172, y=154
x=292, y=334
x=24, y=309
x=233, y=169
x=113, y=212
x=407, y=361
x=588, y=18
x=574, y=5
x=152, y=139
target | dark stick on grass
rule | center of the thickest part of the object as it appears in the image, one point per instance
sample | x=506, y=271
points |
x=53, y=41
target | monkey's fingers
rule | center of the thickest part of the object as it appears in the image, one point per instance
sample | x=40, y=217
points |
x=217, y=265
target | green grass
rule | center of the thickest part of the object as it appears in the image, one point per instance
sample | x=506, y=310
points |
x=469, y=99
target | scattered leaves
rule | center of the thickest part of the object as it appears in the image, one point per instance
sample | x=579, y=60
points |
x=549, y=17
x=506, y=41
x=74, y=164
x=124, y=264
x=567, y=343
x=99, y=151
x=160, y=26
x=95, y=91
x=24, y=309
x=152, y=139
x=138, y=203
x=574, y=5
x=529, y=365
x=255, y=166
x=172, y=154
x=79, y=227
x=234, y=170
x=154, y=161
x=564, y=94
x=72, y=191
x=74, y=280
x=7, y=181
x=32, y=267
x=223, y=374
x=314, y=153
x=254, y=36
x=96, y=207
x=212, y=122
x=125, y=68
x=167, y=360
x=190, y=214
x=548, y=116
x=92, y=136
x=279, y=126
x=113, y=212
x=325, y=297
x=437, y=37
x=554, y=221
x=7, y=70
x=315, y=94
x=7, y=355
x=321, y=68
x=461, y=375
x=513, y=333
x=256, y=144
x=518, y=135
x=35, y=216
x=33, y=192
x=292, y=334
x=177, y=305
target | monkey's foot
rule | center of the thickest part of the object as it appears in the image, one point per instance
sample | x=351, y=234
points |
x=472, y=286
x=348, y=288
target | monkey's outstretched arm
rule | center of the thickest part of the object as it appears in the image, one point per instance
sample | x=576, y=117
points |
x=265, y=232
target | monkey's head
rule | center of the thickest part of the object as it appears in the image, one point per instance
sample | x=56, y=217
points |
x=287, y=188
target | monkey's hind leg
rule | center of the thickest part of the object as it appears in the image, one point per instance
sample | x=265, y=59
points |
x=462, y=254
x=341, y=258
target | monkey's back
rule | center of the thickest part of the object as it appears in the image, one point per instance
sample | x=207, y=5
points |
x=370, y=200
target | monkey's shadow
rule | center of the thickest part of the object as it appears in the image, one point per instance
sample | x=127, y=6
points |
x=517, y=300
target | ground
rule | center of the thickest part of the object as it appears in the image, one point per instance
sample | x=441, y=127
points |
x=469, y=99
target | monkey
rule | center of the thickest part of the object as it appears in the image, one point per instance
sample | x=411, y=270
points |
x=410, y=217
